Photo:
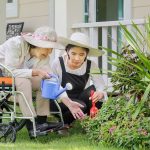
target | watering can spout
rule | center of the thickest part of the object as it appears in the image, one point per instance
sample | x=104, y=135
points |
x=60, y=91
x=67, y=87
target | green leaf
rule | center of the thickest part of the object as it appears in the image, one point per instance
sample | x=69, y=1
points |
x=111, y=51
x=143, y=99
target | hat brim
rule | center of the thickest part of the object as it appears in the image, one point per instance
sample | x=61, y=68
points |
x=92, y=51
x=41, y=43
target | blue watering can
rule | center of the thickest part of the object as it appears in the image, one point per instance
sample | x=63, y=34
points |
x=51, y=88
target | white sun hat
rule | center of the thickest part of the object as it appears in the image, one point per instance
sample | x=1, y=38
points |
x=43, y=37
x=81, y=40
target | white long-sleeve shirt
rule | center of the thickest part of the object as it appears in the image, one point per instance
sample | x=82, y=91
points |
x=95, y=79
x=14, y=54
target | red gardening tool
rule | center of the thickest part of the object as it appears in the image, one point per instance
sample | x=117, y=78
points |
x=94, y=109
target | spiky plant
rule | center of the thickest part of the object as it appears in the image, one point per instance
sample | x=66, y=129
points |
x=125, y=121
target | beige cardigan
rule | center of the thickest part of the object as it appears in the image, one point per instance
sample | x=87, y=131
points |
x=14, y=54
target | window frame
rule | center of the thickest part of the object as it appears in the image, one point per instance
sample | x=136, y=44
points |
x=12, y=9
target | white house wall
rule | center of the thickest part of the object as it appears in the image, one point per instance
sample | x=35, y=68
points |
x=67, y=12
x=2, y=21
x=140, y=8
x=33, y=12
x=36, y=13
x=61, y=16
x=75, y=12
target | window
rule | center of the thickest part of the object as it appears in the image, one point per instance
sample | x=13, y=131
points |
x=9, y=1
x=12, y=8
x=86, y=11
x=107, y=10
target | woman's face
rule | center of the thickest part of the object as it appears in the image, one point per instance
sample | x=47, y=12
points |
x=77, y=55
x=42, y=53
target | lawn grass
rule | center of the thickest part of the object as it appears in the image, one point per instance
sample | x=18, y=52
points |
x=76, y=140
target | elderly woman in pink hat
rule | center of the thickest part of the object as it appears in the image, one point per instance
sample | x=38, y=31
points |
x=74, y=67
x=27, y=56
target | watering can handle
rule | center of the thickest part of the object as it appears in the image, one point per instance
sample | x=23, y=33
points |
x=50, y=75
x=42, y=84
x=55, y=76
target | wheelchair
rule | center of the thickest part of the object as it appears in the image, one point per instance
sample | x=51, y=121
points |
x=11, y=119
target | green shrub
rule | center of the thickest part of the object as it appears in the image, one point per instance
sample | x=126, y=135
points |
x=115, y=125
x=124, y=121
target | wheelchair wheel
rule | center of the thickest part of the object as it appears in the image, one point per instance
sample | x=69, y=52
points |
x=18, y=124
x=7, y=133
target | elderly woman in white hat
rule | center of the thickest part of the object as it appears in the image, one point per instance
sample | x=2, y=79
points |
x=74, y=67
x=27, y=56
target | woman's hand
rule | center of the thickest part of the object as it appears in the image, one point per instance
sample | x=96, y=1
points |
x=76, y=111
x=97, y=96
x=41, y=73
x=75, y=108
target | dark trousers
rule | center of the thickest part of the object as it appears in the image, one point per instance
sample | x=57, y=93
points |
x=82, y=99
